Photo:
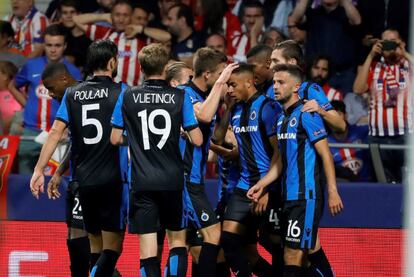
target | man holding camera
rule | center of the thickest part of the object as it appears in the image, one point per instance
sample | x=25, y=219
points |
x=386, y=75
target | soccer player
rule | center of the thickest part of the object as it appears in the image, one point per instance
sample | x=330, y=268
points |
x=86, y=109
x=178, y=73
x=205, y=91
x=304, y=150
x=253, y=119
x=56, y=78
x=152, y=116
x=290, y=52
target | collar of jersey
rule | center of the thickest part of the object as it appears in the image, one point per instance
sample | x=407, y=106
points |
x=155, y=82
x=292, y=108
x=100, y=79
x=253, y=98
x=196, y=89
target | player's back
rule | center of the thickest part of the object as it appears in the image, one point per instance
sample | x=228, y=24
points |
x=89, y=106
x=153, y=115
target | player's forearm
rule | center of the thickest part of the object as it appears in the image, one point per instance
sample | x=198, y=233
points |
x=82, y=20
x=360, y=84
x=64, y=165
x=220, y=131
x=351, y=12
x=208, y=108
x=18, y=95
x=299, y=11
x=334, y=120
x=274, y=172
x=328, y=165
x=48, y=148
x=157, y=34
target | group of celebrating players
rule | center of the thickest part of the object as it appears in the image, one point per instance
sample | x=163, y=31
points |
x=140, y=153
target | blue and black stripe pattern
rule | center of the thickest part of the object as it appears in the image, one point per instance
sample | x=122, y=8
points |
x=297, y=133
x=253, y=122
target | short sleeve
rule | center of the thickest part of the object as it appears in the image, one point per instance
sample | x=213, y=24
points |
x=313, y=124
x=315, y=92
x=21, y=78
x=63, y=113
x=189, y=119
x=117, y=120
x=74, y=71
x=191, y=94
x=270, y=114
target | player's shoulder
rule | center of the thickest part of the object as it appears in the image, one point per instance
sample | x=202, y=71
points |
x=36, y=63
x=308, y=117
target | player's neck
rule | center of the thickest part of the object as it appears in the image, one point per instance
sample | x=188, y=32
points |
x=250, y=94
x=200, y=83
x=155, y=77
x=293, y=99
x=102, y=73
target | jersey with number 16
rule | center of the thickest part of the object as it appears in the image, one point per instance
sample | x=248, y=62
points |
x=87, y=108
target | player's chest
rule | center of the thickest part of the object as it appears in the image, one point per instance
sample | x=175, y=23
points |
x=245, y=120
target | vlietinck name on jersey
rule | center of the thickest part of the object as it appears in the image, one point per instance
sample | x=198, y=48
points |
x=154, y=98
x=91, y=94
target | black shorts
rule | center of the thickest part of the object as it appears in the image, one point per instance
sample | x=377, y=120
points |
x=151, y=210
x=197, y=208
x=194, y=237
x=74, y=215
x=271, y=223
x=103, y=207
x=300, y=223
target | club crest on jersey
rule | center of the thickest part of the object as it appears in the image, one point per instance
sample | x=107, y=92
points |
x=204, y=216
x=123, y=54
x=42, y=92
x=293, y=122
x=253, y=115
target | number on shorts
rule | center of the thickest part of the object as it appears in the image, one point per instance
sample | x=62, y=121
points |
x=148, y=123
x=273, y=217
x=77, y=208
x=293, y=230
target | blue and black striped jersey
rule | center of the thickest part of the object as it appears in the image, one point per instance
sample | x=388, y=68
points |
x=297, y=132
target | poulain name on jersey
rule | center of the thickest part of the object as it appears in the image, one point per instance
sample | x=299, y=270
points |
x=155, y=98
x=91, y=94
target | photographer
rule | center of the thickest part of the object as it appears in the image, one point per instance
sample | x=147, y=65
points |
x=385, y=74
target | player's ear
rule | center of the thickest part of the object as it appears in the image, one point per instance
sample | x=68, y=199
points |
x=296, y=87
x=112, y=64
x=174, y=83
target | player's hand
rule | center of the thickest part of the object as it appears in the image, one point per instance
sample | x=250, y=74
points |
x=132, y=30
x=335, y=203
x=37, y=184
x=255, y=192
x=258, y=208
x=53, y=187
x=225, y=75
x=311, y=106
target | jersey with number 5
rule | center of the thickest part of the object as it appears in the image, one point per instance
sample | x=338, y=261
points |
x=152, y=115
x=87, y=108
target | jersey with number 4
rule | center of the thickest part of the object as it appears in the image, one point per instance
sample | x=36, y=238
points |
x=152, y=115
x=87, y=108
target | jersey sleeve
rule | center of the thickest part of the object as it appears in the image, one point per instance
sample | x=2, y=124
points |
x=117, y=120
x=192, y=95
x=270, y=114
x=313, y=124
x=315, y=92
x=189, y=119
x=63, y=113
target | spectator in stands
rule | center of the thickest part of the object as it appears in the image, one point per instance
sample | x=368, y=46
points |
x=386, y=75
x=214, y=17
x=295, y=33
x=272, y=36
x=319, y=72
x=330, y=32
x=357, y=108
x=186, y=41
x=8, y=48
x=77, y=41
x=259, y=57
x=29, y=25
x=120, y=17
x=8, y=104
x=178, y=73
x=252, y=27
x=160, y=19
x=217, y=42
x=40, y=109
x=352, y=164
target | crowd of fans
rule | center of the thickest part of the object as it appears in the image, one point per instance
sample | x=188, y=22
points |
x=355, y=50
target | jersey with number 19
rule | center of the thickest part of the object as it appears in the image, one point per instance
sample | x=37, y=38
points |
x=152, y=115
x=87, y=108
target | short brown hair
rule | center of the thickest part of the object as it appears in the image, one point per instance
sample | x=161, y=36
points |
x=8, y=68
x=173, y=70
x=153, y=59
x=291, y=50
x=207, y=59
x=293, y=70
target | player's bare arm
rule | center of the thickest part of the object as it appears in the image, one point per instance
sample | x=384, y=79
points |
x=117, y=137
x=196, y=137
x=275, y=169
x=54, y=183
x=37, y=181
x=157, y=34
x=82, y=20
x=334, y=200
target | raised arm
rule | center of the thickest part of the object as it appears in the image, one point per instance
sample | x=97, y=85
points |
x=351, y=12
x=361, y=80
x=299, y=11
x=154, y=33
x=82, y=20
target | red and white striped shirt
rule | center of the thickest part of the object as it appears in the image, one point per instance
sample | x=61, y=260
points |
x=332, y=94
x=128, y=49
x=29, y=30
x=386, y=119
